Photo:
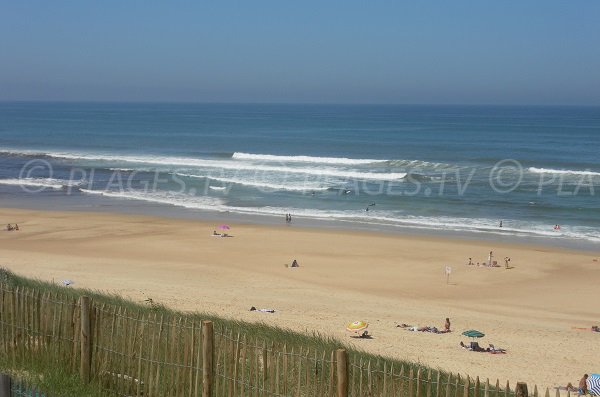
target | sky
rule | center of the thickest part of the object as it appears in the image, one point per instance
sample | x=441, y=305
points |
x=513, y=52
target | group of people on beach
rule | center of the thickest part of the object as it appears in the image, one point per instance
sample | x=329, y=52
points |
x=288, y=218
x=473, y=346
x=490, y=262
x=427, y=328
x=11, y=228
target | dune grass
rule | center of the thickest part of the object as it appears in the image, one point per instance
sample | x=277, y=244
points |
x=63, y=380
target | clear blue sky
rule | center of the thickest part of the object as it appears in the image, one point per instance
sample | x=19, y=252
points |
x=450, y=51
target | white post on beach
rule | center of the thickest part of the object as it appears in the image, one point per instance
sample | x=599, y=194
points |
x=448, y=271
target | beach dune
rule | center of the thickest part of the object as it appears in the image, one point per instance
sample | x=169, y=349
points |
x=385, y=279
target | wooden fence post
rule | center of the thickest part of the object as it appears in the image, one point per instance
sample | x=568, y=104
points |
x=86, y=345
x=521, y=390
x=342, y=373
x=207, y=358
x=5, y=386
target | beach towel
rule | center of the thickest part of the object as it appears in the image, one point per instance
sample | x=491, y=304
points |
x=593, y=384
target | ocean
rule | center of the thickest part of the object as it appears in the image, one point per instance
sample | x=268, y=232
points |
x=525, y=173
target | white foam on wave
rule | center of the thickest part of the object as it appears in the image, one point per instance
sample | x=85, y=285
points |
x=168, y=198
x=397, y=219
x=49, y=183
x=374, y=217
x=227, y=164
x=419, y=164
x=303, y=159
x=571, y=172
x=305, y=187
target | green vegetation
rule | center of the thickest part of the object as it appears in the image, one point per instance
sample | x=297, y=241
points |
x=153, y=347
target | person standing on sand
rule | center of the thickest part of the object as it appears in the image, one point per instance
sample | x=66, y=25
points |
x=506, y=260
x=490, y=258
x=583, y=385
x=447, y=325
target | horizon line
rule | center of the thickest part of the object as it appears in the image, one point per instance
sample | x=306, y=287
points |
x=169, y=102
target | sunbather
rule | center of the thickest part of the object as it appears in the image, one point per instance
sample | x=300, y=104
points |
x=254, y=309
x=473, y=346
x=495, y=350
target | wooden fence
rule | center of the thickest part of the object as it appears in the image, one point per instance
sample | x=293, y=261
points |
x=11, y=387
x=141, y=353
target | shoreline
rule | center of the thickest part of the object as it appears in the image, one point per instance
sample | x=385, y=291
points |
x=383, y=278
x=100, y=204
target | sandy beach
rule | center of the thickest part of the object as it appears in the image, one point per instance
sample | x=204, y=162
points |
x=386, y=279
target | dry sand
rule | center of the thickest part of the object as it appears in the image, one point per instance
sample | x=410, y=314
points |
x=384, y=279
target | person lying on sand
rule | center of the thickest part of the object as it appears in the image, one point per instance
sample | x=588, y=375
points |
x=426, y=328
x=254, y=309
x=495, y=350
x=433, y=330
x=474, y=346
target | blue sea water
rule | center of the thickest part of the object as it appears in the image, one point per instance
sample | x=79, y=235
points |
x=432, y=168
